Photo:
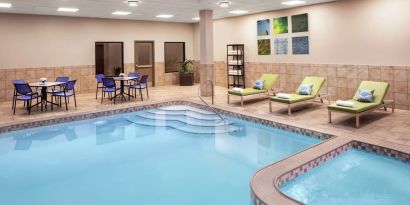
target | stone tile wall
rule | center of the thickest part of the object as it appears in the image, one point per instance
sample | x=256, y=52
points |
x=342, y=80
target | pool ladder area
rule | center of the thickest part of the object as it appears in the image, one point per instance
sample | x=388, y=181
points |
x=212, y=97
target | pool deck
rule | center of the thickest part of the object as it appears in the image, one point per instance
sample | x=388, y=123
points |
x=382, y=128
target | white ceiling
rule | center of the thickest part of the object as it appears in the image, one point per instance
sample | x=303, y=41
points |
x=184, y=10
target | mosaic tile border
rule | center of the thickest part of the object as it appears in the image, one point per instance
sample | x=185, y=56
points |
x=63, y=119
x=292, y=174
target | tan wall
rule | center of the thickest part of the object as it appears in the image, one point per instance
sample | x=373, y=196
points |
x=368, y=32
x=29, y=41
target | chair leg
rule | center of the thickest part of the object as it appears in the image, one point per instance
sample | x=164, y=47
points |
x=102, y=96
x=289, y=110
x=96, y=92
x=142, y=99
x=14, y=106
x=75, y=101
x=241, y=101
x=29, y=107
x=65, y=100
x=270, y=106
x=52, y=103
x=147, y=92
x=357, y=121
x=228, y=98
x=330, y=116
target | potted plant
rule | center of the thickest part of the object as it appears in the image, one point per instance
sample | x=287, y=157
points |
x=186, y=73
x=117, y=71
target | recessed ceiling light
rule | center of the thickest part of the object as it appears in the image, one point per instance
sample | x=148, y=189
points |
x=238, y=12
x=133, y=3
x=5, y=5
x=196, y=18
x=293, y=2
x=121, y=13
x=165, y=16
x=65, y=9
x=224, y=4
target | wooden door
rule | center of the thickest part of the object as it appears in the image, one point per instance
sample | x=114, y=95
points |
x=144, y=59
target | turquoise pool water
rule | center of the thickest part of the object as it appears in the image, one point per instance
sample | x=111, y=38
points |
x=149, y=158
x=354, y=177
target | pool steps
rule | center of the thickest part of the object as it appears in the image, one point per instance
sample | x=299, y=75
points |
x=191, y=121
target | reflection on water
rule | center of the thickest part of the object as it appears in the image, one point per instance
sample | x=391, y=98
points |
x=25, y=140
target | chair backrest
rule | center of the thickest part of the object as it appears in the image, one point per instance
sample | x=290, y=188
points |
x=22, y=88
x=108, y=82
x=99, y=77
x=70, y=85
x=144, y=79
x=269, y=80
x=380, y=90
x=62, y=79
x=18, y=81
x=133, y=74
x=316, y=81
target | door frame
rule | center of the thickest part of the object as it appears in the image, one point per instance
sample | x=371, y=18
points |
x=122, y=52
x=153, y=57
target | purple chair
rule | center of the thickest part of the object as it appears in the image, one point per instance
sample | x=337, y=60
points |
x=25, y=94
x=55, y=90
x=99, y=78
x=14, y=94
x=109, y=87
x=142, y=84
x=134, y=82
x=133, y=74
x=67, y=92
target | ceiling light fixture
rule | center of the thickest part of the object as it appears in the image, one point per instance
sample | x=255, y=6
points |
x=293, y=2
x=196, y=18
x=133, y=3
x=5, y=5
x=121, y=13
x=238, y=12
x=65, y=9
x=224, y=4
x=165, y=16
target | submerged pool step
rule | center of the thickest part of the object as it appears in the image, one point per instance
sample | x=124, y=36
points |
x=181, y=126
x=195, y=115
x=184, y=109
x=185, y=120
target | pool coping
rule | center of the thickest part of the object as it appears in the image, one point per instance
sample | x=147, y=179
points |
x=266, y=181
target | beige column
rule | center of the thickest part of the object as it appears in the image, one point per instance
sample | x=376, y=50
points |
x=206, y=48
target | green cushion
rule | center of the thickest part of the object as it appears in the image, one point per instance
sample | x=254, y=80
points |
x=380, y=90
x=293, y=98
x=358, y=107
x=317, y=83
x=269, y=79
x=247, y=91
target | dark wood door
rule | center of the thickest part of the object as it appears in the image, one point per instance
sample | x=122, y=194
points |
x=144, y=59
x=99, y=59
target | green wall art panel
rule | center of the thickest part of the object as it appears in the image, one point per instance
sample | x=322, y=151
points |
x=300, y=45
x=281, y=46
x=300, y=23
x=280, y=25
x=263, y=27
x=264, y=47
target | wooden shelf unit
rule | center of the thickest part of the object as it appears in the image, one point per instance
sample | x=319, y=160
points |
x=235, y=61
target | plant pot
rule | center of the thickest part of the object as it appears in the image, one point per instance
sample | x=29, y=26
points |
x=186, y=79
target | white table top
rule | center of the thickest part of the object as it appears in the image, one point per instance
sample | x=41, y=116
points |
x=46, y=84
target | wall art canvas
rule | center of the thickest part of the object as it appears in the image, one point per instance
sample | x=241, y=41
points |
x=300, y=23
x=281, y=46
x=300, y=45
x=280, y=25
x=263, y=27
x=264, y=47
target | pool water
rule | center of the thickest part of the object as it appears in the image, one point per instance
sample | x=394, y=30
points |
x=354, y=177
x=146, y=157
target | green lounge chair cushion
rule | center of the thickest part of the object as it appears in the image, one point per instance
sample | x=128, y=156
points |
x=317, y=83
x=269, y=80
x=294, y=98
x=247, y=91
x=358, y=107
x=380, y=90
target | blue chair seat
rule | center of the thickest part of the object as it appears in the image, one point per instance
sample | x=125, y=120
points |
x=27, y=97
x=110, y=90
x=139, y=86
x=62, y=94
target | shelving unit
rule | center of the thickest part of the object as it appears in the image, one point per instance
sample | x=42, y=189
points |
x=235, y=60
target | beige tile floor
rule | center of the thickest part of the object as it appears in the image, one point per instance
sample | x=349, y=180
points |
x=378, y=125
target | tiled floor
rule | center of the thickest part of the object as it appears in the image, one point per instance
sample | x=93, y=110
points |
x=380, y=125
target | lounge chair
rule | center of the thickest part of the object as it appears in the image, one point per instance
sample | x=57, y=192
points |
x=269, y=80
x=361, y=108
x=296, y=98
